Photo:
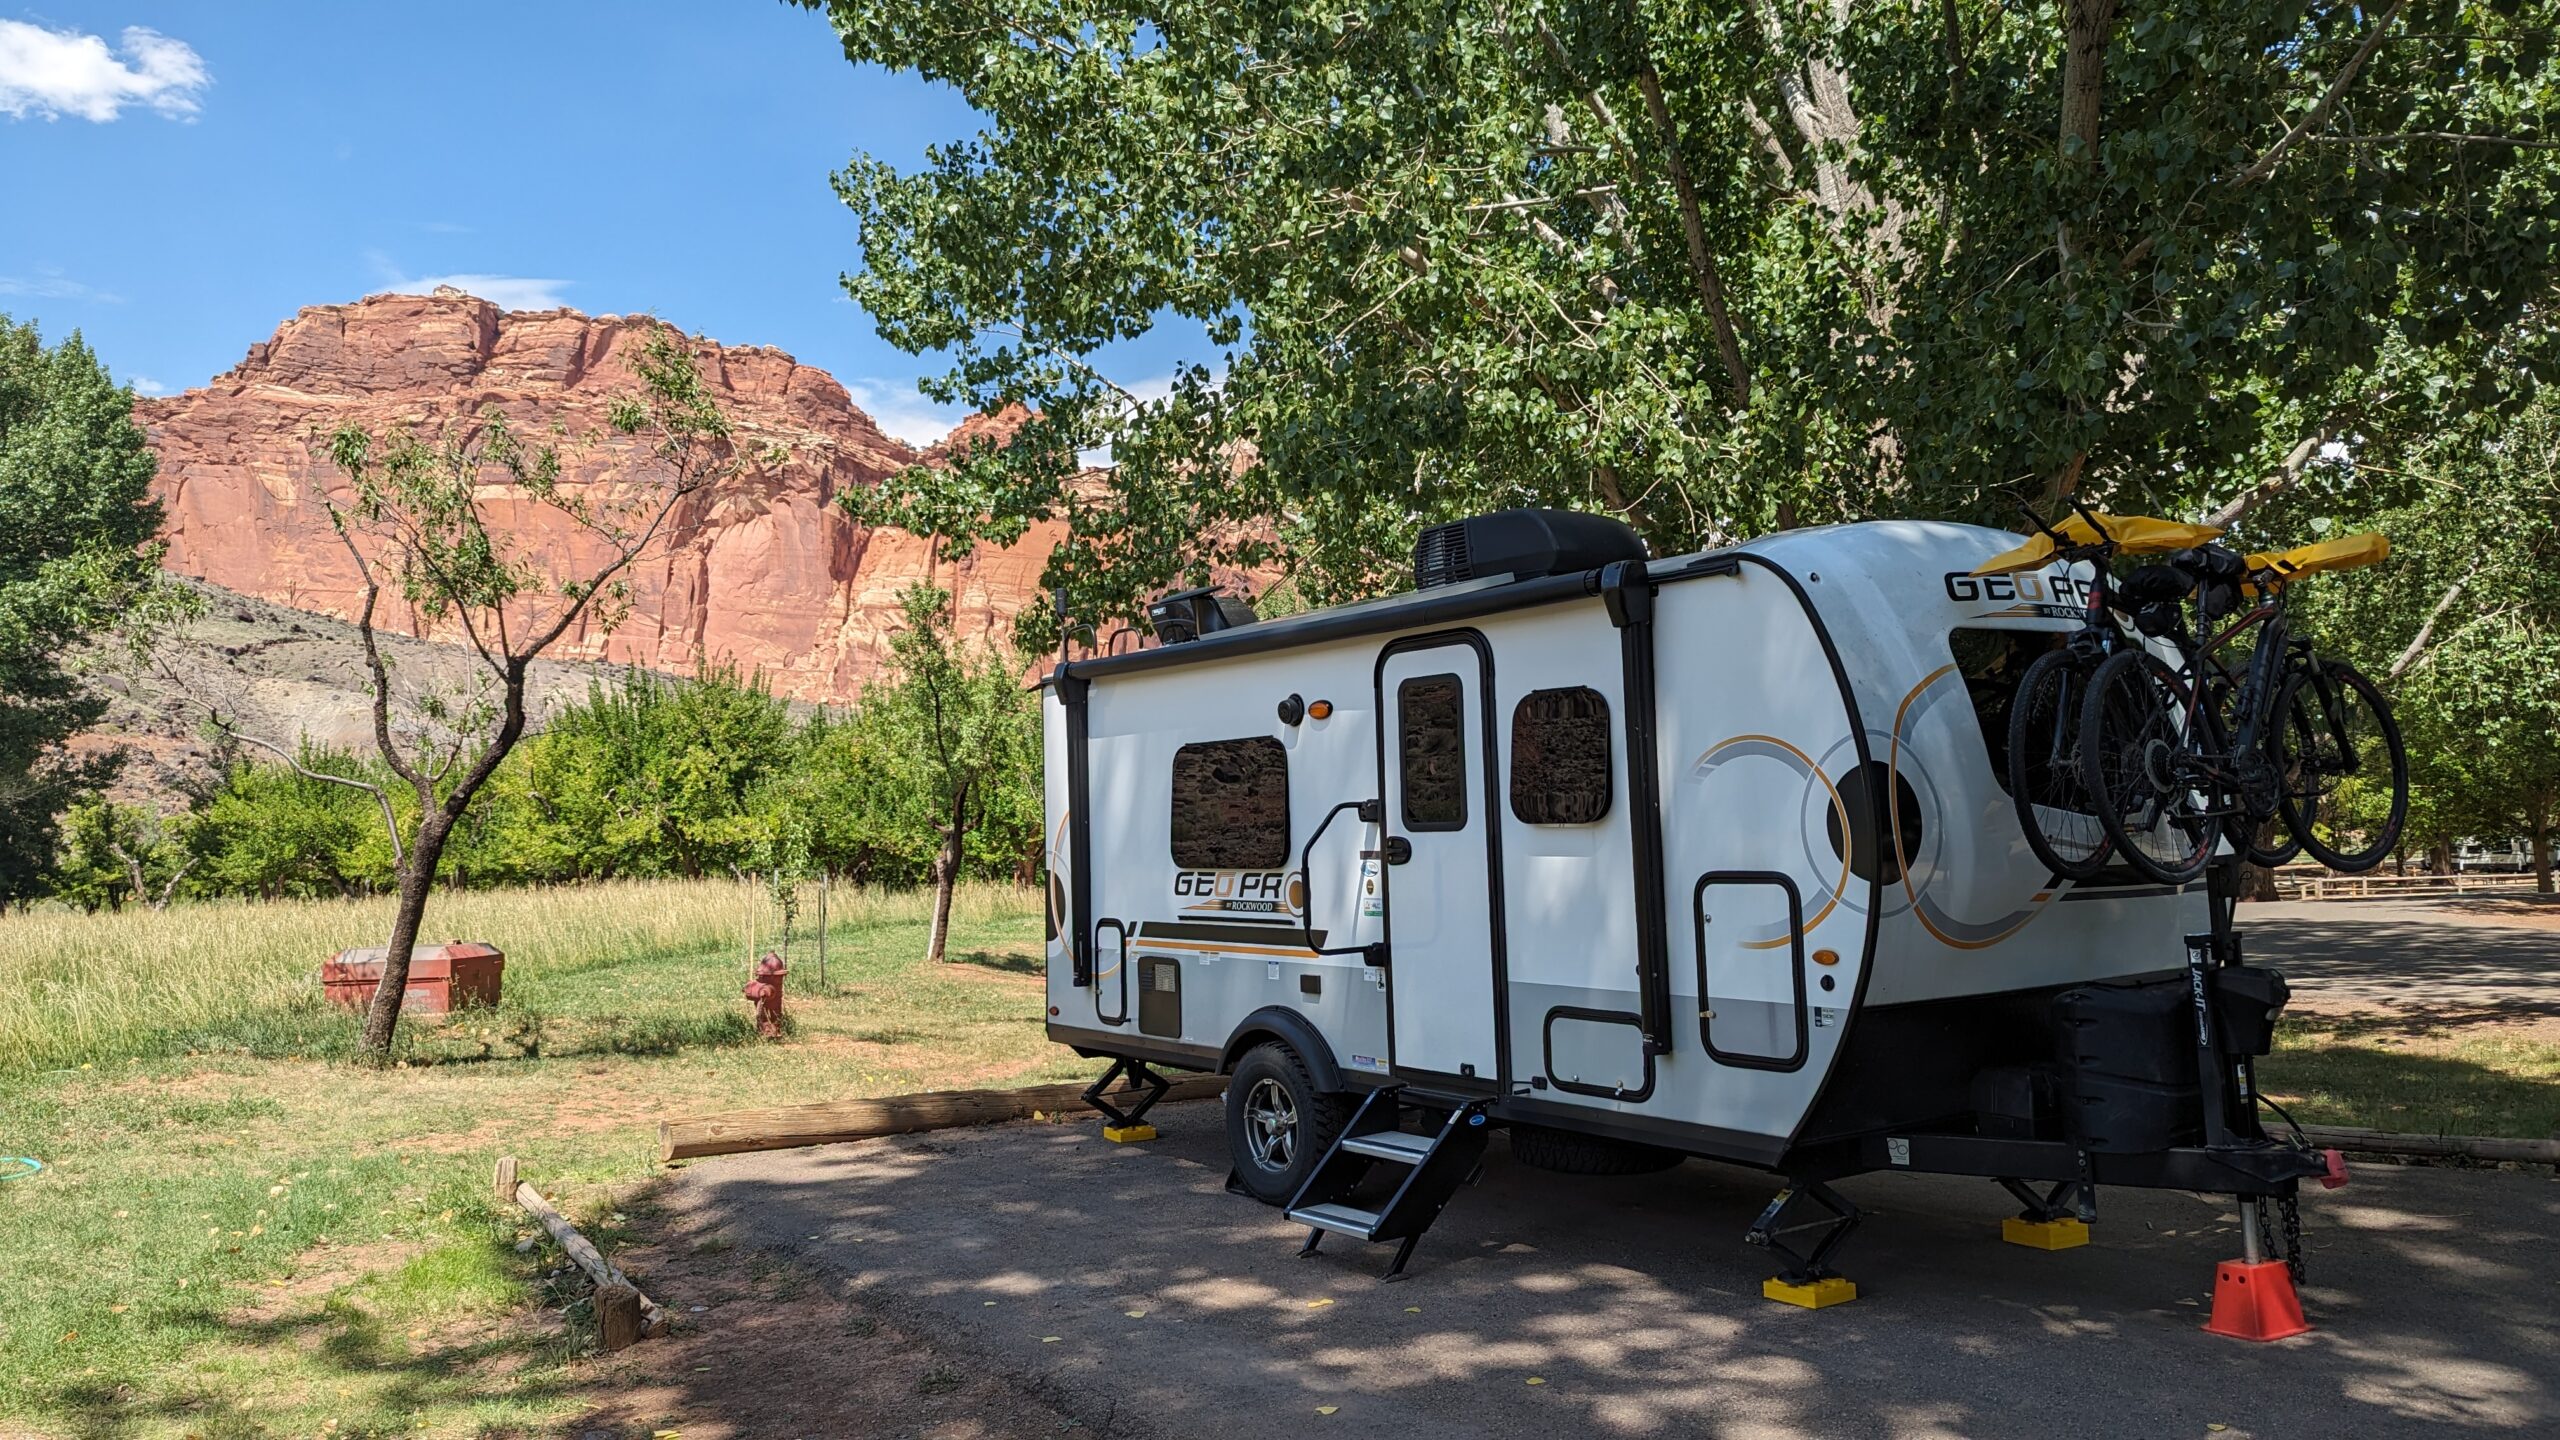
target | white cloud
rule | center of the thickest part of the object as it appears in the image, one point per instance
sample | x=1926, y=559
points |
x=51, y=284
x=145, y=385
x=52, y=73
x=902, y=413
x=507, y=292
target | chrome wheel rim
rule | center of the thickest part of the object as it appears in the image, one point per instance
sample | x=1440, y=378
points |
x=1270, y=1125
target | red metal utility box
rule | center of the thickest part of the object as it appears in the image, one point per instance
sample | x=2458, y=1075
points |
x=441, y=977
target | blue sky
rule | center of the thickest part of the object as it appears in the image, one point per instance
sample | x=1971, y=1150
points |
x=176, y=179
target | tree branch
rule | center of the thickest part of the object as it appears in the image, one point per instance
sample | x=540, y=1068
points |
x=1702, y=263
x=2417, y=651
x=381, y=797
x=2318, y=115
x=2288, y=471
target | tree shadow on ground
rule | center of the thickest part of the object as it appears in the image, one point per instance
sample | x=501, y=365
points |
x=1015, y=1246
x=1011, y=962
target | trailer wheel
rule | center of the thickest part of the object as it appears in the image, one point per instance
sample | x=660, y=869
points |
x=1279, y=1125
x=1568, y=1153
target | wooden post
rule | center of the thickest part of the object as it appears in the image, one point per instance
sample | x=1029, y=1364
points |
x=506, y=1179
x=618, y=1316
x=791, y=1126
x=825, y=879
x=629, y=1319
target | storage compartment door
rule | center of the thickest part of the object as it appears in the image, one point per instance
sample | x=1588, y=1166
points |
x=1749, y=931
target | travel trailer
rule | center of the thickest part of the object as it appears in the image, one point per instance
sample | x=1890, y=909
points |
x=1638, y=859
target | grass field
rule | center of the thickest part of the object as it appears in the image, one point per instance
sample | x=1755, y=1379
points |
x=240, y=1233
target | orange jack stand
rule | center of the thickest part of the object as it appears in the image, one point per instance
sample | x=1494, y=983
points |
x=2255, y=1301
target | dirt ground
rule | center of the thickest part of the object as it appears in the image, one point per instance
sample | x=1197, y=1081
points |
x=982, y=1283
x=763, y=1345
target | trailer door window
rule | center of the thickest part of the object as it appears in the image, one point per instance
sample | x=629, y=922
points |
x=1560, y=757
x=1231, y=805
x=1432, y=721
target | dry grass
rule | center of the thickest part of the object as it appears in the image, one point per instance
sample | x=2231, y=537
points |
x=254, y=1238
x=78, y=988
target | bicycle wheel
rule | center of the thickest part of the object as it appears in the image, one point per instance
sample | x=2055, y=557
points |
x=2351, y=770
x=2133, y=758
x=2256, y=827
x=2044, y=768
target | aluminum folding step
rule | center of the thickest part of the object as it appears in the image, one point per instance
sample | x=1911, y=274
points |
x=1340, y=1219
x=1434, y=1164
x=1401, y=1146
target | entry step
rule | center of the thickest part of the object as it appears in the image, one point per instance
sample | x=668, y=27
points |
x=1400, y=1146
x=1338, y=1218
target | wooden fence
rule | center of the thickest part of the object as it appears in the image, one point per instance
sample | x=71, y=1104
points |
x=2310, y=884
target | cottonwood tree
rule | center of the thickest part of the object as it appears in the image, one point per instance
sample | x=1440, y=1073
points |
x=1712, y=267
x=2463, y=625
x=414, y=514
x=76, y=553
x=954, y=726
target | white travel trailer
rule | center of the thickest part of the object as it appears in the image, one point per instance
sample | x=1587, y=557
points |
x=1638, y=859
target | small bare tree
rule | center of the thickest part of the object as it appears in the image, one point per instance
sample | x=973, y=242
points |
x=411, y=515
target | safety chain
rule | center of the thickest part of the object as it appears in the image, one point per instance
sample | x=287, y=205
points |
x=2291, y=1207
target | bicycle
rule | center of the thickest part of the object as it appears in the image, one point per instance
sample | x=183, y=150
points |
x=2176, y=757
x=2044, y=772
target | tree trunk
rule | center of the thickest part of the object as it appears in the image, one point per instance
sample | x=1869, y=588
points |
x=946, y=875
x=2440, y=857
x=417, y=879
x=2542, y=845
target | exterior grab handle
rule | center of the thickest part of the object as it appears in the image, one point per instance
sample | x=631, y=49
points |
x=1371, y=812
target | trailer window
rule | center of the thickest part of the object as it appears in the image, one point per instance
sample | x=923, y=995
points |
x=1231, y=805
x=1431, y=725
x=1560, y=757
x=1992, y=663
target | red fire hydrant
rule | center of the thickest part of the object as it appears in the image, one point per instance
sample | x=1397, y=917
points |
x=766, y=991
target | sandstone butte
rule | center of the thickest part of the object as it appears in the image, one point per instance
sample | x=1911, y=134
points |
x=764, y=571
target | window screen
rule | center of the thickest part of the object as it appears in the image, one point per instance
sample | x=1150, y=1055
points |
x=1560, y=757
x=1231, y=805
x=1431, y=722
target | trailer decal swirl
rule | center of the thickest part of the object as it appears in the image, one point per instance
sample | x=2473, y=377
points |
x=1945, y=928
x=1770, y=747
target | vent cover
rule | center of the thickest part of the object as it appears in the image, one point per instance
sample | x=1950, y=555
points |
x=1520, y=545
x=1189, y=614
x=1440, y=557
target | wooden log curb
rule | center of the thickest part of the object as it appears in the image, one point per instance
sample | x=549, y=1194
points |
x=623, y=1314
x=791, y=1126
x=2440, y=1147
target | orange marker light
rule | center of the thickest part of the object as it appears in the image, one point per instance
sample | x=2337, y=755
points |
x=1826, y=957
x=1320, y=710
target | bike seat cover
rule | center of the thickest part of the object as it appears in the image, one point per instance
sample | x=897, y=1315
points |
x=2346, y=553
x=2132, y=534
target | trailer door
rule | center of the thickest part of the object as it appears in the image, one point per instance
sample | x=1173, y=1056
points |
x=1444, y=941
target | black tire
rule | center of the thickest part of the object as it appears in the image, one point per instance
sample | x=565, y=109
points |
x=2260, y=831
x=2044, y=778
x=1569, y=1153
x=2130, y=748
x=1279, y=1125
x=2351, y=738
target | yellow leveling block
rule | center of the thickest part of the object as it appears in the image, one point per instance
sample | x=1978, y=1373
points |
x=1128, y=1134
x=1829, y=1290
x=2057, y=1234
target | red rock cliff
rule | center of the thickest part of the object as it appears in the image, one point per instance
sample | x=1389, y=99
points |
x=765, y=572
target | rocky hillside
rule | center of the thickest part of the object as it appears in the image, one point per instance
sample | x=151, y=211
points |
x=765, y=571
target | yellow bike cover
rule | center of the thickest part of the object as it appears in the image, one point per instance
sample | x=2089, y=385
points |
x=2348, y=553
x=2133, y=534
